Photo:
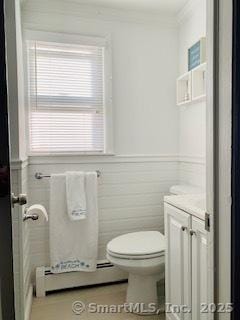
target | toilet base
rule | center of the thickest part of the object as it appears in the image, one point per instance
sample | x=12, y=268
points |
x=142, y=293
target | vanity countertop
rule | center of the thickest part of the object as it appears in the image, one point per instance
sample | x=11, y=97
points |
x=194, y=204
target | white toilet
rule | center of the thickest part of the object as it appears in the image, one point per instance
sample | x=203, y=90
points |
x=142, y=255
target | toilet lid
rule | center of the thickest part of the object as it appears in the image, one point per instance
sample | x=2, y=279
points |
x=138, y=243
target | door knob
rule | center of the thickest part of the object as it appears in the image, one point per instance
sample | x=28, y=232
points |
x=21, y=199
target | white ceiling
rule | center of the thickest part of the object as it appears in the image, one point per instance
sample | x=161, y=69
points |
x=154, y=6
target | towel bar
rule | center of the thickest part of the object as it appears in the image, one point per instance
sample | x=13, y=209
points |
x=39, y=175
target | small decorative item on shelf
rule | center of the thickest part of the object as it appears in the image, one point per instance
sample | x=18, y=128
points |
x=186, y=96
x=197, y=54
x=199, y=82
x=184, y=89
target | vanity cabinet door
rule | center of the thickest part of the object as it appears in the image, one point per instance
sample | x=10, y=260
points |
x=199, y=270
x=178, y=264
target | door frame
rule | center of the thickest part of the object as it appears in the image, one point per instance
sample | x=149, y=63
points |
x=212, y=46
x=218, y=162
x=235, y=239
x=7, y=303
x=222, y=141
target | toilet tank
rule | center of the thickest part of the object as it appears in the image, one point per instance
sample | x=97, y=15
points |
x=185, y=189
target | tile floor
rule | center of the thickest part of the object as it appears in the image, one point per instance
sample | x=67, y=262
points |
x=58, y=306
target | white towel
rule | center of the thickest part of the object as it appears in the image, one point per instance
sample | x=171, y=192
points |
x=76, y=195
x=73, y=245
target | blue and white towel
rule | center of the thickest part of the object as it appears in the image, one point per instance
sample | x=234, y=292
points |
x=73, y=244
x=76, y=195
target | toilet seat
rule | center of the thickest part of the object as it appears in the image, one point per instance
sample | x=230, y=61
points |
x=137, y=245
x=134, y=257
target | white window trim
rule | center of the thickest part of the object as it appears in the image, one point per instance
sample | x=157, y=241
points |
x=105, y=41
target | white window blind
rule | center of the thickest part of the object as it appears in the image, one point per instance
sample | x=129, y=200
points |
x=66, y=97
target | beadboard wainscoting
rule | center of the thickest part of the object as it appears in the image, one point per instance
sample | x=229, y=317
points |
x=131, y=191
x=192, y=170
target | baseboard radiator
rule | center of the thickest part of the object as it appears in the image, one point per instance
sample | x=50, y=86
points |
x=46, y=281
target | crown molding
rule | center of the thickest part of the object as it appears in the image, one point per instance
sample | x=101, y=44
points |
x=83, y=11
x=187, y=10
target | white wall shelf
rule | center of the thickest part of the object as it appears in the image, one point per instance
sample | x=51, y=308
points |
x=191, y=87
x=199, y=82
x=184, y=89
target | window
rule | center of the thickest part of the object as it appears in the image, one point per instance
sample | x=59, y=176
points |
x=67, y=97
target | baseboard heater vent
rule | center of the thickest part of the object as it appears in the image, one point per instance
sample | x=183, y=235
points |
x=46, y=281
x=100, y=265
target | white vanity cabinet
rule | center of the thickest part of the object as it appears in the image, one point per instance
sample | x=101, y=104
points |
x=186, y=265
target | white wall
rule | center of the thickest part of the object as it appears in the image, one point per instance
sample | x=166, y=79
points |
x=192, y=118
x=192, y=26
x=144, y=58
x=133, y=182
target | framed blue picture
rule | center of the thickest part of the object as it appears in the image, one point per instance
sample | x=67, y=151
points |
x=197, y=54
